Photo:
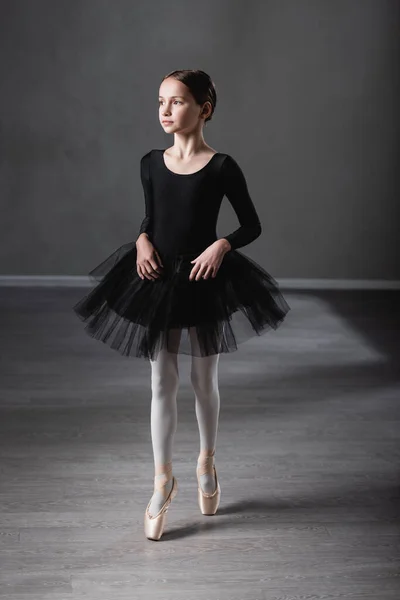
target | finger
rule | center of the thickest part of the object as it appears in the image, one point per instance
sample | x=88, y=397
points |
x=207, y=273
x=146, y=272
x=152, y=268
x=146, y=275
x=153, y=264
x=200, y=273
x=159, y=258
x=203, y=274
x=151, y=273
x=195, y=271
x=215, y=270
x=141, y=272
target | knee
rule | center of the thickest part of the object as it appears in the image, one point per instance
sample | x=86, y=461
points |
x=204, y=385
x=164, y=385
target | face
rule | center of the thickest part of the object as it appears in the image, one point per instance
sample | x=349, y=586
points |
x=177, y=105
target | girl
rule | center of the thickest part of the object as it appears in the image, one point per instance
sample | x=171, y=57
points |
x=178, y=289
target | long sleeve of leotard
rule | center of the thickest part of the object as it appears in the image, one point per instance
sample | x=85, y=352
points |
x=235, y=189
x=147, y=223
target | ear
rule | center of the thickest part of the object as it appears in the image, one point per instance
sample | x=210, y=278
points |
x=206, y=112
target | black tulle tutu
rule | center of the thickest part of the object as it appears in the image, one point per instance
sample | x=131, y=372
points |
x=138, y=317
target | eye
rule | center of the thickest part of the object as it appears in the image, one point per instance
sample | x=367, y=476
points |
x=178, y=101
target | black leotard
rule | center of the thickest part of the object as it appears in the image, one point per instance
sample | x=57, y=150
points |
x=181, y=210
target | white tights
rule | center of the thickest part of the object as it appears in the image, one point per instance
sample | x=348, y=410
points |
x=164, y=410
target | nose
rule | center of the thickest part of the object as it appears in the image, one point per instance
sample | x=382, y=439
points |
x=165, y=111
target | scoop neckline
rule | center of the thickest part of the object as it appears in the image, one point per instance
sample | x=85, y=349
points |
x=185, y=174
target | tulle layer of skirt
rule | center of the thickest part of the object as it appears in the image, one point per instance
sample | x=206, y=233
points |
x=138, y=317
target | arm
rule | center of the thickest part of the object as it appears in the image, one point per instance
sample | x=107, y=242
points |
x=147, y=223
x=235, y=189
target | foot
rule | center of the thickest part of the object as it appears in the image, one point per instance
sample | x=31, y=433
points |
x=205, y=471
x=162, y=486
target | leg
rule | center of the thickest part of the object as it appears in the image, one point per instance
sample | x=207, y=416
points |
x=164, y=386
x=204, y=378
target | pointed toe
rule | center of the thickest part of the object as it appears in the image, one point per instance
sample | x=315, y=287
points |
x=209, y=503
x=154, y=525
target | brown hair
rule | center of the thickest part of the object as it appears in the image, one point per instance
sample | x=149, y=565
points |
x=200, y=85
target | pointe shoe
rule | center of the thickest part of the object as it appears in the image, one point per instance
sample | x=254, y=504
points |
x=208, y=503
x=154, y=525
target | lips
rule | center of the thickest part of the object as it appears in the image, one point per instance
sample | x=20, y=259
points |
x=167, y=122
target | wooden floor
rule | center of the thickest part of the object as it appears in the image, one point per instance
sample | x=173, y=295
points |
x=307, y=457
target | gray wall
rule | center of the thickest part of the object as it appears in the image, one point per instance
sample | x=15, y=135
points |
x=308, y=106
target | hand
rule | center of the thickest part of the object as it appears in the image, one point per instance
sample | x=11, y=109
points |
x=209, y=261
x=147, y=257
